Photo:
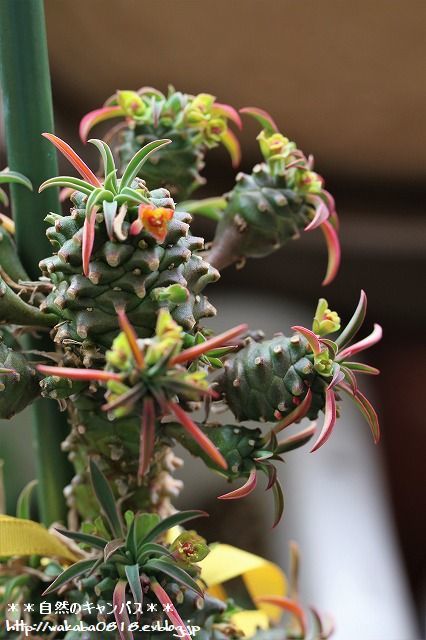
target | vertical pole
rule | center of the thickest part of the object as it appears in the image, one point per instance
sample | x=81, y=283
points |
x=27, y=106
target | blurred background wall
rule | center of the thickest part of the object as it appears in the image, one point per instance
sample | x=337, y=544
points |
x=346, y=81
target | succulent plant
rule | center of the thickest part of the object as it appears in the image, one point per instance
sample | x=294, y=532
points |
x=119, y=306
x=194, y=125
x=125, y=248
x=267, y=208
x=287, y=378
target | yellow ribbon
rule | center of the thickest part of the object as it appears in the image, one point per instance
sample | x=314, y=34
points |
x=20, y=537
x=260, y=577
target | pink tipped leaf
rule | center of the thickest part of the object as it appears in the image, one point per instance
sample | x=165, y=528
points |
x=97, y=375
x=321, y=212
x=228, y=112
x=331, y=346
x=95, y=117
x=297, y=414
x=372, y=339
x=331, y=205
x=88, y=240
x=350, y=378
x=131, y=336
x=243, y=491
x=212, y=343
x=74, y=159
x=263, y=117
x=286, y=604
x=360, y=367
x=366, y=408
x=196, y=433
x=272, y=474
x=329, y=420
x=329, y=200
x=296, y=441
x=120, y=611
x=334, y=252
x=147, y=437
x=338, y=376
x=231, y=144
x=311, y=337
x=170, y=610
x=354, y=324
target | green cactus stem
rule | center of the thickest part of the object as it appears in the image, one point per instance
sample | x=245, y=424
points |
x=18, y=382
x=287, y=378
x=14, y=310
x=194, y=124
x=272, y=205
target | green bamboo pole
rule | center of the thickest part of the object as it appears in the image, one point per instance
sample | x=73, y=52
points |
x=27, y=105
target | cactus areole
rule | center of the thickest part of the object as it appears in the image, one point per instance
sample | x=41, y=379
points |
x=122, y=302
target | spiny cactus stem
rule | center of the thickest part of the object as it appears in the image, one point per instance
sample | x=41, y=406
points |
x=13, y=309
x=27, y=106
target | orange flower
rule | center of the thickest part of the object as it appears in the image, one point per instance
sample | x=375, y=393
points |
x=152, y=219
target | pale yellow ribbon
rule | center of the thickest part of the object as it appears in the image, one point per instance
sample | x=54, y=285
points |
x=260, y=577
x=20, y=537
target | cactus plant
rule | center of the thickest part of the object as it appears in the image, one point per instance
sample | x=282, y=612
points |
x=120, y=302
x=194, y=125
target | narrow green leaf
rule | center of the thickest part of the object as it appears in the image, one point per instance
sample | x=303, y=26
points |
x=332, y=346
x=97, y=196
x=278, y=502
x=295, y=441
x=15, y=177
x=265, y=120
x=360, y=367
x=75, y=570
x=173, y=521
x=68, y=181
x=131, y=195
x=23, y=506
x=86, y=538
x=174, y=571
x=354, y=324
x=110, y=183
x=106, y=499
x=132, y=574
x=152, y=549
x=138, y=161
x=366, y=408
x=107, y=159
